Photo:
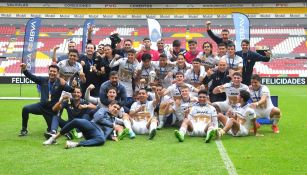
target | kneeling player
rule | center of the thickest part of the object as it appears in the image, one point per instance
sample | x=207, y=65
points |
x=142, y=120
x=262, y=103
x=201, y=119
x=238, y=120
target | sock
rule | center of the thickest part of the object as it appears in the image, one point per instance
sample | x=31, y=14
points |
x=153, y=125
x=275, y=120
x=161, y=118
x=127, y=124
x=183, y=130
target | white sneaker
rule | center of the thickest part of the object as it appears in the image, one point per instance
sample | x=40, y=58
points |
x=220, y=133
x=79, y=135
x=50, y=141
x=70, y=144
x=161, y=124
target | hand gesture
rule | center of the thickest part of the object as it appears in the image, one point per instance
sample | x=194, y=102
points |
x=208, y=24
x=91, y=87
x=62, y=82
x=23, y=66
x=56, y=47
x=82, y=63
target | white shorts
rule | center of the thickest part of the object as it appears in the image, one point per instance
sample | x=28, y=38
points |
x=242, y=131
x=264, y=113
x=198, y=128
x=223, y=105
x=139, y=127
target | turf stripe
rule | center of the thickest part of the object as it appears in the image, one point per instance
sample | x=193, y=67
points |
x=228, y=163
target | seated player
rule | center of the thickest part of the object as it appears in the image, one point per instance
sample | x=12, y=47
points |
x=262, y=103
x=201, y=119
x=238, y=120
x=181, y=104
x=95, y=132
x=232, y=90
x=142, y=119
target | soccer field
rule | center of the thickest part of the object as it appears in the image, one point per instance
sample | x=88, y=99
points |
x=283, y=153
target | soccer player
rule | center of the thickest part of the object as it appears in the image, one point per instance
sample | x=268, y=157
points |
x=163, y=70
x=181, y=65
x=234, y=62
x=174, y=90
x=144, y=72
x=232, y=90
x=127, y=67
x=147, y=50
x=249, y=59
x=195, y=75
x=179, y=105
x=262, y=103
x=163, y=50
x=95, y=132
x=70, y=45
x=193, y=52
x=221, y=50
x=51, y=90
x=208, y=60
x=238, y=120
x=201, y=119
x=176, y=50
x=142, y=119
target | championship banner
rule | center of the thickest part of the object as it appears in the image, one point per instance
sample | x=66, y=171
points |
x=241, y=23
x=30, y=43
x=154, y=29
x=87, y=24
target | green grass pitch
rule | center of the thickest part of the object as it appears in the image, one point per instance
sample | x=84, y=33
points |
x=283, y=153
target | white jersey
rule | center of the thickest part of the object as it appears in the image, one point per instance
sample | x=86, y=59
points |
x=175, y=90
x=233, y=63
x=208, y=61
x=162, y=72
x=183, y=70
x=256, y=96
x=232, y=92
x=149, y=107
x=184, y=105
x=245, y=114
x=194, y=78
x=125, y=73
x=205, y=113
x=66, y=70
x=145, y=72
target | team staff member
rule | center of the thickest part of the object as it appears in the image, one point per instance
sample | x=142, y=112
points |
x=51, y=90
x=249, y=59
x=216, y=39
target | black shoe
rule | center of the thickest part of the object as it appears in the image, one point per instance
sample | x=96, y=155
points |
x=47, y=135
x=68, y=136
x=23, y=133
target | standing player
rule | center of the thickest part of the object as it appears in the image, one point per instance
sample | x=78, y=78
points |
x=193, y=52
x=234, y=62
x=164, y=71
x=239, y=120
x=208, y=60
x=144, y=71
x=262, y=103
x=232, y=90
x=202, y=119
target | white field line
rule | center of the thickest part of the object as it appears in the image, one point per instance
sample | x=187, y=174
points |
x=19, y=98
x=228, y=163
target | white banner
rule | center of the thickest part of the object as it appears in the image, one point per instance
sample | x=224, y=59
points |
x=139, y=16
x=70, y=5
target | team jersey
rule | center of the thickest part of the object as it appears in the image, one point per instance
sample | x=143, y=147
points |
x=245, y=115
x=67, y=70
x=206, y=113
x=175, y=90
x=194, y=78
x=256, y=96
x=125, y=73
x=232, y=92
x=184, y=105
x=149, y=107
x=233, y=63
x=183, y=70
x=162, y=72
x=145, y=72
x=208, y=61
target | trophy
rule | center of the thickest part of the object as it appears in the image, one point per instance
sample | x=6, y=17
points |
x=262, y=49
x=151, y=78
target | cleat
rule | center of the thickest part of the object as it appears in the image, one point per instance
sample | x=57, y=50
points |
x=179, y=136
x=50, y=141
x=47, y=135
x=23, y=133
x=152, y=134
x=123, y=134
x=70, y=144
x=68, y=136
x=74, y=133
x=210, y=135
x=275, y=129
x=131, y=135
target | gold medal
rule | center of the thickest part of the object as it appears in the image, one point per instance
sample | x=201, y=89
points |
x=49, y=99
x=91, y=69
x=69, y=101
